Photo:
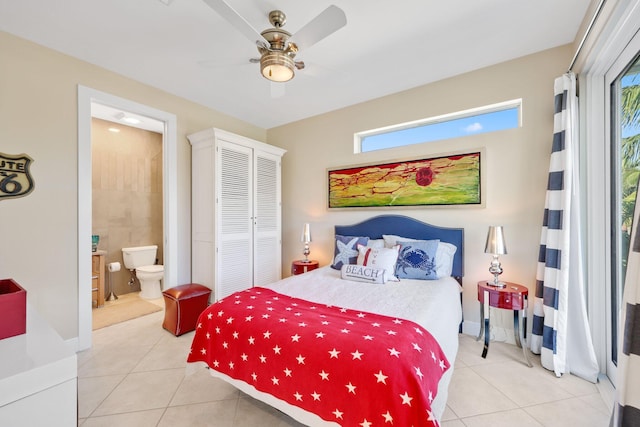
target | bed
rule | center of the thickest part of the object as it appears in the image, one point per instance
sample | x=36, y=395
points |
x=395, y=342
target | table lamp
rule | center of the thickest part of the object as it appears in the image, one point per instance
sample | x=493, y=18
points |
x=306, y=239
x=495, y=246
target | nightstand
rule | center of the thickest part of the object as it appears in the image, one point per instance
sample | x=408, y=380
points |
x=511, y=297
x=299, y=267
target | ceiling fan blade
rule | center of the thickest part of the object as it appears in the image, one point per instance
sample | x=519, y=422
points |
x=328, y=22
x=235, y=19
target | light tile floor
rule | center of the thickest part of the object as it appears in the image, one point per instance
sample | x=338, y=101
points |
x=134, y=375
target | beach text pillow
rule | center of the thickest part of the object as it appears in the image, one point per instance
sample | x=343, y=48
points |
x=361, y=273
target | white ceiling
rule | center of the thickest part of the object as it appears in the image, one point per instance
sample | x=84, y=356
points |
x=121, y=117
x=187, y=49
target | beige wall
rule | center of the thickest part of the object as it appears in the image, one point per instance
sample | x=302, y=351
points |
x=39, y=117
x=515, y=165
x=126, y=190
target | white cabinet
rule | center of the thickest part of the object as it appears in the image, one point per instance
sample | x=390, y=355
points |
x=236, y=211
x=38, y=377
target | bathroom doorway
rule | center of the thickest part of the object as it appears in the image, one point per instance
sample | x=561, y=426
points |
x=126, y=191
x=89, y=100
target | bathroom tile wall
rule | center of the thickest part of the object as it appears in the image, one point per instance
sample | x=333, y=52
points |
x=126, y=192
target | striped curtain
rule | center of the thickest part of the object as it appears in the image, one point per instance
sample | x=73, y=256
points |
x=627, y=409
x=560, y=330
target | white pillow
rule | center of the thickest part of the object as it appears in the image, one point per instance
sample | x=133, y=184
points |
x=390, y=240
x=444, y=259
x=444, y=253
x=376, y=243
x=361, y=273
x=384, y=258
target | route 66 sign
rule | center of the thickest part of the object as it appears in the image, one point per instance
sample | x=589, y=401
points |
x=15, y=177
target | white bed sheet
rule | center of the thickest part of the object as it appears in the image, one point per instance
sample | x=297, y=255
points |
x=434, y=304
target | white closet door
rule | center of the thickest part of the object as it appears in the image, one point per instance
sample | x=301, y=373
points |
x=234, y=239
x=267, y=240
x=203, y=246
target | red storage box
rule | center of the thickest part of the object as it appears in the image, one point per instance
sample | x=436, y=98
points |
x=13, y=309
x=183, y=305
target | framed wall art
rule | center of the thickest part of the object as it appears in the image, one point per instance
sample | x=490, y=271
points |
x=15, y=176
x=437, y=181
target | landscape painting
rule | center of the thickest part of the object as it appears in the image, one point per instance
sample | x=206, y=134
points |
x=437, y=181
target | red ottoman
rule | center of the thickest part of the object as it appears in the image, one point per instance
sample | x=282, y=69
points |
x=183, y=304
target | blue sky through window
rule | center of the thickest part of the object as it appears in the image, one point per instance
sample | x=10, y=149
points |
x=447, y=129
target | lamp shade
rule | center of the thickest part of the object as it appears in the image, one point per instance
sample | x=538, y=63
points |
x=306, y=233
x=495, y=241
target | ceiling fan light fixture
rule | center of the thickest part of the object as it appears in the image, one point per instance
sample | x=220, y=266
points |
x=277, y=66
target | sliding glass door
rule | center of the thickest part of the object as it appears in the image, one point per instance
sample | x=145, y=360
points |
x=623, y=81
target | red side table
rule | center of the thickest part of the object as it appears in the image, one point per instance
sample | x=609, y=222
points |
x=511, y=297
x=299, y=267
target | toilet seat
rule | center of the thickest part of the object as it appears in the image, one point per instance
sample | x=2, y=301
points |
x=150, y=269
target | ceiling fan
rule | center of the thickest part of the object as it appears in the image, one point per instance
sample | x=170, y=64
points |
x=277, y=47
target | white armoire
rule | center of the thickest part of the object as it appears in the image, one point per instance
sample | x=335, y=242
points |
x=235, y=212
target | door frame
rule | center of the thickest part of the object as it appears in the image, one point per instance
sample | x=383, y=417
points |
x=87, y=96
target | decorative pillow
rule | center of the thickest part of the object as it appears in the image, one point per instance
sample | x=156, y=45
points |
x=444, y=253
x=417, y=260
x=361, y=273
x=376, y=243
x=390, y=240
x=384, y=258
x=444, y=259
x=346, y=251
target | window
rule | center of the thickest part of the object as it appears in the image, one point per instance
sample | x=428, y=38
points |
x=625, y=140
x=611, y=56
x=490, y=118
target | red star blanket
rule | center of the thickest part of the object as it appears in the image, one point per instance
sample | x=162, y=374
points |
x=350, y=367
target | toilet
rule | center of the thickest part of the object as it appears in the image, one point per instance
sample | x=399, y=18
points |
x=142, y=259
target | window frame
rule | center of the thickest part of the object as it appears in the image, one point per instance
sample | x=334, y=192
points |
x=359, y=137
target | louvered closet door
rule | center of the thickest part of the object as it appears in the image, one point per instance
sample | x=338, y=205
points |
x=234, y=225
x=267, y=240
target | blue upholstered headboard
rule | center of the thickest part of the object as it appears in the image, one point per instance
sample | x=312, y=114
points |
x=405, y=226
